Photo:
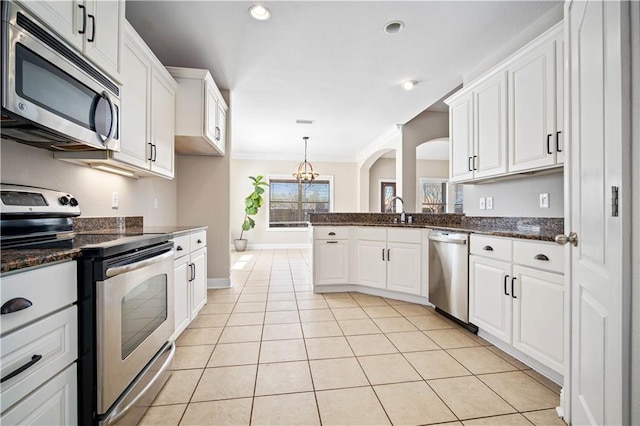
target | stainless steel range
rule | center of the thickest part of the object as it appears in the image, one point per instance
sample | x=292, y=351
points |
x=125, y=302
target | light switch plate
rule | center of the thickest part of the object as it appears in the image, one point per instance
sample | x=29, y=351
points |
x=482, y=203
x=489, y=203
x=115, y=202
x=544, y=200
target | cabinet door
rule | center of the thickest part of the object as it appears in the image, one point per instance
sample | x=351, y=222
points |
x=461, y=139
x=404, y=267
x=62, y=16
x=490, y=126
x=221, y=127
x=532, y=110
x=136, y=77
x=210, y=111
x=199, y=282
x=331, y=262
x=538, y=316
x=490, y=296
x=104, y=35
x=54, y=403
x=182, y=302
x=163, y=99
x=371, y=264
x=559, y=135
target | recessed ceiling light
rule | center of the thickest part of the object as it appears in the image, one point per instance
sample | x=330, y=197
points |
x=409, y=84
x=393, y=27
x=259, y=12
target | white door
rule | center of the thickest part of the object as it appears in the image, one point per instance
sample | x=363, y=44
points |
x=404, y=267
x=597, y=133
x=163, y=100
x=221, y=127
x=199, y=281
x=331, y=262
x=67, y=18
x=182, y=298
x=538, y=309
x=490, y=296
x=104, y=33
x=531, y=110
x=371, y=263
x=490, y=126
x=211, y=108
x=461, y=139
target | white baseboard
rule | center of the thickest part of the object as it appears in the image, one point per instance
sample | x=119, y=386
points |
x=279, y=246
x=341, y=288
x=218, y=282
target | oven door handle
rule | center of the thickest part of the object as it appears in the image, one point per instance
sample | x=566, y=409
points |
x=119, y=413
x=112, y=272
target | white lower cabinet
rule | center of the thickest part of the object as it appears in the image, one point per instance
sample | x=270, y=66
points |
x=190, y=278
x=390, y=259
x=331, y=262
x=54, y=403
x=520, y=305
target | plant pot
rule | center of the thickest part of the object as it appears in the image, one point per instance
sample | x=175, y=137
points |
x=241, y=245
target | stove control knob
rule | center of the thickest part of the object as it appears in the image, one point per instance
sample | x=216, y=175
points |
x=73, y=202
x=64, y=200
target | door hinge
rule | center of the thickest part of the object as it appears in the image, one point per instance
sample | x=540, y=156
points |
x=614, y=201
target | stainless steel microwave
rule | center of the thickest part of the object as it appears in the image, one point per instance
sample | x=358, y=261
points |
x=52, y=97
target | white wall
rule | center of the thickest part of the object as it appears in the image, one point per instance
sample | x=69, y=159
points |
x=26, y=165
x=517, y=197
x=344, y=198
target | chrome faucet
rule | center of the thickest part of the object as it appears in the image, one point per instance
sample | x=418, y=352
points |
x=402, y=215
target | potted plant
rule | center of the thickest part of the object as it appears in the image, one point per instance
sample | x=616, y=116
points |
x=251, y=205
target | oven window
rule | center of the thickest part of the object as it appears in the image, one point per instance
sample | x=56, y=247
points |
x=49, y=87
x=143, y=310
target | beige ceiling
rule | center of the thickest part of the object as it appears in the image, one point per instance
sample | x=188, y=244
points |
x=328, y=61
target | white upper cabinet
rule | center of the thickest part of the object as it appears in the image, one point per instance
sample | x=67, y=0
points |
x=490, y=127
x=461, y=137
x=163, y=100
x=515, y=120
x=532, y=110
x=201, y=113
x=94, y=27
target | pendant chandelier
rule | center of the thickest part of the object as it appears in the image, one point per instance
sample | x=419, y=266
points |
x=304, y=172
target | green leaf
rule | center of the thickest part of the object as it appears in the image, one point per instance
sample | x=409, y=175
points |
x=252, y=222
x=251, y=210
x=259, y=190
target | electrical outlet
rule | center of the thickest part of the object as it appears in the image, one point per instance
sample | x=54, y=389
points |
x=544, y=200
x=115, y=200
x=489, y=203
x=482, y=203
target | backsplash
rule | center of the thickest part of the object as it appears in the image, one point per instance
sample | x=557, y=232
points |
x=538, y=225
x=372, y=218
x=120, y=223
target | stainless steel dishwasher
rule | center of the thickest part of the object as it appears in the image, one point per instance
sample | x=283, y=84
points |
x=449, y=274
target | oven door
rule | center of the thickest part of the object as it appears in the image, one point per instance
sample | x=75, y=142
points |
x=45, y=82
x=134, y=321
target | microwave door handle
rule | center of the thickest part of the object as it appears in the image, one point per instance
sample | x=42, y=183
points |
x=113, y=126
x=112, y=272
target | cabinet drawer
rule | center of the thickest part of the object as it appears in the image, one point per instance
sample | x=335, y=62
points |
x=54, y=403
x=52, y=341
x=198, y=240
x=399, y=235
x=549, y=256
x=48, y=289
x=372, y=233
x=181, y=245
x=331, y=233
x=491, y=247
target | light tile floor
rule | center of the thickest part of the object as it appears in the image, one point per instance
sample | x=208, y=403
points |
x=268, y=351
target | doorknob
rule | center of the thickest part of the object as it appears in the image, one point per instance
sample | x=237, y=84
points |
x=563, y=239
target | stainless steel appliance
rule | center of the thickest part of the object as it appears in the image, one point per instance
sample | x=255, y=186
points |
x=51, y=96
x=125, y=302
x=449, y=274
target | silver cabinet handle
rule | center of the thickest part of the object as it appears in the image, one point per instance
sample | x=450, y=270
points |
x=564, y=239
x=112, y=272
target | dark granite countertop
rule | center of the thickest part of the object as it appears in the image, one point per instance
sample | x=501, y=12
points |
x=88, y=231
x=12, y=260
x=541, y=229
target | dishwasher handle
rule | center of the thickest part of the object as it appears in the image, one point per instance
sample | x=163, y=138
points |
x=447, y=239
